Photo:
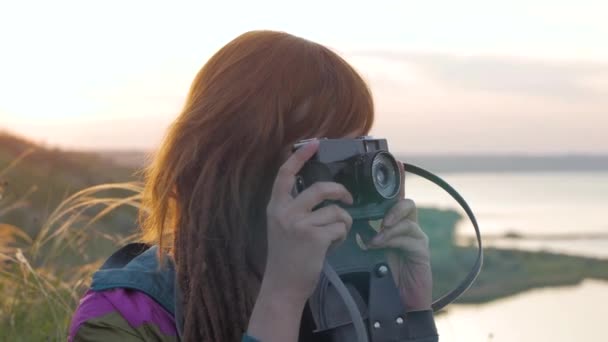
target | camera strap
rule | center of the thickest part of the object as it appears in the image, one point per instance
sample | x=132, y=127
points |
x=474, y=272
x=332, y=277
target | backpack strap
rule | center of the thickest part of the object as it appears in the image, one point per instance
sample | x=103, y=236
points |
x=124, y=255
x=136, y=266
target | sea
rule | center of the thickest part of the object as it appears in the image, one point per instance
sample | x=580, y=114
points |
x=563, y=212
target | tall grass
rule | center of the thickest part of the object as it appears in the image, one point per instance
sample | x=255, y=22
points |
x=42, y=277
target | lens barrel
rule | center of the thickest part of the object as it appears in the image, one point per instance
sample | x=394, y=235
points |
x=385, y=175
x=380, y=176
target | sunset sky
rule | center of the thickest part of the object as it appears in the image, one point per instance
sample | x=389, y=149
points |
x=447, y=76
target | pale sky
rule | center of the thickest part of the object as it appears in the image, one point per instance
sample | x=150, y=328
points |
x=447, y=76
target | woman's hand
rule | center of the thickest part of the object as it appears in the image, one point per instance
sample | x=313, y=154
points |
x=407, y=253
x=298, y=240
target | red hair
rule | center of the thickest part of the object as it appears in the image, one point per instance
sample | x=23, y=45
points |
x=207, y=189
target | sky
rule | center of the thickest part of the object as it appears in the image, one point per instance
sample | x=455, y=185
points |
x=466, y=77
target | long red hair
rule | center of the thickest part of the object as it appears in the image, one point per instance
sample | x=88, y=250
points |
x=207, y=188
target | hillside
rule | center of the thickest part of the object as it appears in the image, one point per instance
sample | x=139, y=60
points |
x=35, y=179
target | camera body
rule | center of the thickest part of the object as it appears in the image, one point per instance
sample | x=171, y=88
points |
x=363, y=165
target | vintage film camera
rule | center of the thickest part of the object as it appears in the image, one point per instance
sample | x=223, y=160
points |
x=363, y=165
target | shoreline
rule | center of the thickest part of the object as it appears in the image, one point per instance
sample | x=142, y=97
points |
x=556, y=287
x=543, y=237
x=506, y=271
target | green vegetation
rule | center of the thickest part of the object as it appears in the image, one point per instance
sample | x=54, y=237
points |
x=505, y=272
x=53, y=235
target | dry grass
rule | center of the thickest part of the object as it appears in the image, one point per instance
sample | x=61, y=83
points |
x=42, y=277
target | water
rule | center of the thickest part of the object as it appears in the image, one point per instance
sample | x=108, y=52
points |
x=544, y=205
x=539, y=204
x=561, y=314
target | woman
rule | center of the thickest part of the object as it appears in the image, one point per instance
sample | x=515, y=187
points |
x=217, y=204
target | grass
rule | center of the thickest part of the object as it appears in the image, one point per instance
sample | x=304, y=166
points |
x=42, y=278
x=50, y=242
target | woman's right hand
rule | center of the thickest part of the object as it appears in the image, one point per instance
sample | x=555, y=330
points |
x=298, y=237
x=298, y=240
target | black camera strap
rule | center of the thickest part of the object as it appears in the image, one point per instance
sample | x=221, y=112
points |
x=350, y=303
x=472, y=275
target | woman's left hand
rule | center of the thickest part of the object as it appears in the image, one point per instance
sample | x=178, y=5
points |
x=408, y=254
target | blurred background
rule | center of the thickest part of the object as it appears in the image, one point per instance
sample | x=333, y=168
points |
x=507, y=101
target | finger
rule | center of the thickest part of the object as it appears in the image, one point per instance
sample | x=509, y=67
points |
x=319, y=192
x=334, y=233
x=408, y=245
x=403, y=228
x=286, y=175
x=405, y=208
x=328, y=215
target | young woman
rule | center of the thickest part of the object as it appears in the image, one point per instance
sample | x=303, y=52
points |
x=218, y=207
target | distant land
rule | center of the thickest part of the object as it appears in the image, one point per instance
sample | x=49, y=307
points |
x=449, y=163
x=515, y=163
x=132, y=159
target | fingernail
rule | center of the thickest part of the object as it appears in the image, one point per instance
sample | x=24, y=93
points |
x=378, y=239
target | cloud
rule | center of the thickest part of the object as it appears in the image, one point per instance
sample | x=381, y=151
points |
x=442, y=103
x=556, y=80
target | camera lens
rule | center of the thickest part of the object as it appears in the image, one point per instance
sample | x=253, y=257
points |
x=385, y=175
x=381, y=175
